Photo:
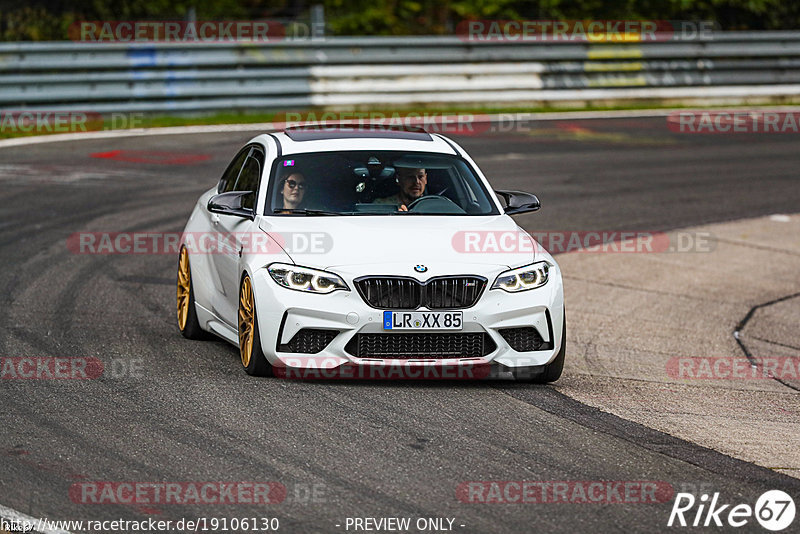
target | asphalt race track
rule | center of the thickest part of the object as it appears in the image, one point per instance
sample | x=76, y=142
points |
x=187, y=412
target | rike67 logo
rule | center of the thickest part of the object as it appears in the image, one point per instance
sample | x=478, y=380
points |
x=774, y=510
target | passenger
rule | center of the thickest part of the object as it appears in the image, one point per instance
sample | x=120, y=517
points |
x=292, y=192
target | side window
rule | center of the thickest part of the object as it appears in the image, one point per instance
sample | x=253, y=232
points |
x=228, y=180
x=248, y=180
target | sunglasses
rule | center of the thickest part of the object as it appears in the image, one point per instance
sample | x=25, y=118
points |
x=292, y=184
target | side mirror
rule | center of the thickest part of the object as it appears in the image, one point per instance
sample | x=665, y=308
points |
x=232, y=204
x=519, y=201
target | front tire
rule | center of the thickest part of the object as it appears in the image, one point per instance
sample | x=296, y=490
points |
x=253, y=359
x=187, y=312
x=552, y=371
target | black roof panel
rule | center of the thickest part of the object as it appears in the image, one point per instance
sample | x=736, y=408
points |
x=318, y=132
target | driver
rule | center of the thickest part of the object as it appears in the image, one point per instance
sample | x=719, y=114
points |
x=412, y=184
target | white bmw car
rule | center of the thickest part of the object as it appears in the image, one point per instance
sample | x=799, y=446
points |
x=366, y=248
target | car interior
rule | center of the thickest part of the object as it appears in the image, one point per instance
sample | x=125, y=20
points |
x=352, y=183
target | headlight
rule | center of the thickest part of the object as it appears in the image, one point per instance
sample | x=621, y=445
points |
x=305, y=279
x=523, y=278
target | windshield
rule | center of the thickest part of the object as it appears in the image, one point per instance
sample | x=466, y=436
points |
x=376, y=183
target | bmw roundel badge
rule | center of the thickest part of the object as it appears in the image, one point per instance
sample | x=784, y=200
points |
x=420, y=268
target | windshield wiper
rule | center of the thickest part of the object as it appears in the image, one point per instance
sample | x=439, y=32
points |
x=306, y=212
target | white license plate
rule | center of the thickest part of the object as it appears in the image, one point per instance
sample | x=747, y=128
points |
x=422, y=320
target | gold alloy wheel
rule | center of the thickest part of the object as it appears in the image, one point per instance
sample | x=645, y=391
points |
x=184, y=286
x=246, y=321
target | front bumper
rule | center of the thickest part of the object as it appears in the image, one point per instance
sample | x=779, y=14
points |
x=282, y=313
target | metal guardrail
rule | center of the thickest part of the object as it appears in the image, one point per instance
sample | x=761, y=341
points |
x=162, y=77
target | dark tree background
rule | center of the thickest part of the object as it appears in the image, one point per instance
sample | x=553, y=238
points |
x=34, y=20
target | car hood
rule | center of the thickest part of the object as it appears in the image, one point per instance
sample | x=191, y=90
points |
x=364, y=243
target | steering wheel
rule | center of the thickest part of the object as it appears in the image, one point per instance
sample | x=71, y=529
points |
x=436, y=198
